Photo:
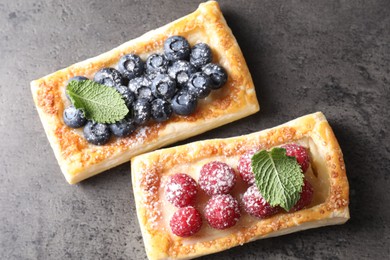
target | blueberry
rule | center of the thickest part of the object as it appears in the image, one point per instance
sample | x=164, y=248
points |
x=74, y=117
x=200, y=55
x=131, y=66
x=184, y=103
x=199, y=84
x=142, y=88
x=181, y=71
x=123, y=127
x=109, y=77
x=97, y=133
x=216, y=73
x=161, y=110
x=127, y=95
x=76, y=78
x=163, y=86
x=176, y=48
x=156, y=63
x=141, y=110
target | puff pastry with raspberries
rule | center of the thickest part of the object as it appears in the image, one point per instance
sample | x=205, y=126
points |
x=172, y=228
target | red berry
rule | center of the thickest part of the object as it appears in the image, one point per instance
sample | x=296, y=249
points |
x=306, y=197
x=186, y=221
x=245, y=167
x=222, y=211
x=181, y=190
x=217, y=178
x=300, y=153
x=256, y=205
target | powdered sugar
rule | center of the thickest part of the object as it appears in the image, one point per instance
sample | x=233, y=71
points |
x=222, y=211
x=181, y=190
x=255, y=204
x=217, y=178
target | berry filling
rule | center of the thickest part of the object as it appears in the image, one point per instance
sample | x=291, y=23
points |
x=181, y=190
x=109, y=77
x=222, y=211
x=300, y=153
x=306, y=197
x=245, y=167
x=186, y=222
x=163, y=85
x=255, y=205
x=217, y=178
x=176, y=48
x=74, y=117
x=131, y=66
x=156, y=63
x=97, y=133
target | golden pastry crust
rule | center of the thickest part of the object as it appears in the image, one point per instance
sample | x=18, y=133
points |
x=327, y=175
x=79, y=160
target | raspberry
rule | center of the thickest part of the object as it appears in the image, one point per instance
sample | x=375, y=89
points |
x=181, y=190
x=300, y=153
x=217, y=178
x=256, y=205
x=306, y=197
x=186, y=221
x=245, y=167
x=222, y=211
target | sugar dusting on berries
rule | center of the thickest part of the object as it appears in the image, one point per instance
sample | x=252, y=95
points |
x=300, y=153
x=245, y=167
x=186, y=222
x=217, y=178
x=255, y=205
x=181, y=190
x=222, y=211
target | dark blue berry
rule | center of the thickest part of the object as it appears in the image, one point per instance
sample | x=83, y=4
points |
x=163, y=86
x=74, y=117
x=199, y=84
x=123, y=127
x=76, y=78
x=131, y=66
x=176, y=48
x=161, y=110
x=109, y=77
x=156, y=63
x=127, y=95
x=200, y=55
x=184, y=103
x=216, y=73
x=181, y=71
x=142, y=88
x=141, y=111
x=97, y=133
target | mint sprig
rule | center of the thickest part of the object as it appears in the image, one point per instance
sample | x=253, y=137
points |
x=100, y=103
x=278, y=177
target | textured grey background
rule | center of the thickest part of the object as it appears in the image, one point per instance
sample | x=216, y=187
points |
x=332, y=56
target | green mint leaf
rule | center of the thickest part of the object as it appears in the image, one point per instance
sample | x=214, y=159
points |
x=100, y=103
x=278, y=177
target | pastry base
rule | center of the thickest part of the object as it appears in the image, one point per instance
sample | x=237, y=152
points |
x=326, y=174
x=79, y=160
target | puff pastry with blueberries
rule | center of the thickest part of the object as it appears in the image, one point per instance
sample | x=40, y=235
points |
x=180, y=221
x=79, y=159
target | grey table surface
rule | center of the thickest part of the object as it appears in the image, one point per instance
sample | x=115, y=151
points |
x=330, y=56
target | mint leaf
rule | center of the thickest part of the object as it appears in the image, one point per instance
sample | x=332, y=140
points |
x=278, y=177
x=100, y=103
